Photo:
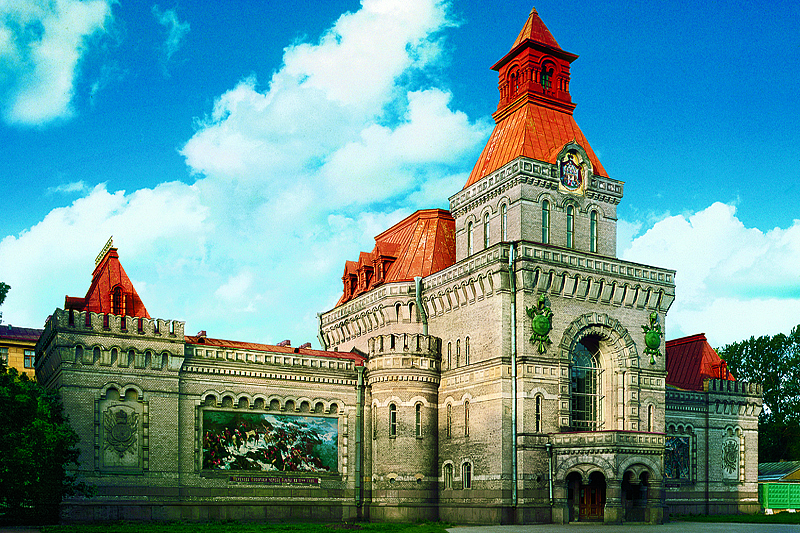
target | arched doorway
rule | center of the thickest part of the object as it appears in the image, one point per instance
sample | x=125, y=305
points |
x=634, y=495
x=586, y=501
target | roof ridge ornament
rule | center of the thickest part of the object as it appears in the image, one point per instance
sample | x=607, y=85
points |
x=104, y=251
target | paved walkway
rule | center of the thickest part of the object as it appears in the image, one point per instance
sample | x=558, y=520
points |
x=672, y=527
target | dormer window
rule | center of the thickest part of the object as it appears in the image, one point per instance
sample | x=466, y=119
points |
x=117, y=302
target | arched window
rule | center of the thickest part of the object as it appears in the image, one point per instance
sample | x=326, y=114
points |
x=466, y=351
x=95, y=354
x=469, y=238
x=79, y=354
x=546, y=222
x=418, y=420
x=466, y=476
x=585, y=387
x=397, y=308
x=538, y=402
x=392, y=420
x=117, y=304
x=448, y=476
x=374, y=421
x=449, y=420
x=466, y=418
x=458, y=352
x=547, y=77
x=651, y=418
x=486, y=231
x=570, y=226
x=593, y=231
x=449, y=355
x=411, y=314
x=504, y=222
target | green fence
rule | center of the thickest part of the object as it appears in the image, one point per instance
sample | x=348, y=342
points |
x=779, y=495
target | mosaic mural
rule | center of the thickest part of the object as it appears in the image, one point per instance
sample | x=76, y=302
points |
x=676, y=458
x=266, y=442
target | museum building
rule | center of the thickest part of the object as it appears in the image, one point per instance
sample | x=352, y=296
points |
x=494, y=363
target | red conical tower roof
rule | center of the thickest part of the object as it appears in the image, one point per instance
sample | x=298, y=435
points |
x=534, y=115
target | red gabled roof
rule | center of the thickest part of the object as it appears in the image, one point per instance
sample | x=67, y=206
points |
x=691, y=360
x=420, y=245
x=109, y=275
x=238, y=345
x=533, y=118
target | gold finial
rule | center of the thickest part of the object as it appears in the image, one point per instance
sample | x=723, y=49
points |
x=105, y=249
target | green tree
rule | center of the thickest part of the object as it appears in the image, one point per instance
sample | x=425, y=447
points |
x=3, y=291
x=773, y=361
x=37, y=450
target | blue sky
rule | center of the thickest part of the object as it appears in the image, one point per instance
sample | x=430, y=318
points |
x=240, y=152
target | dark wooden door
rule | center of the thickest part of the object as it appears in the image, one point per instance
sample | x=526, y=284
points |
x=591, y=503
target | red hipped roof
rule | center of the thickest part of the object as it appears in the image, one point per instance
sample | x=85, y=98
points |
x=419, y=245
x=691, y=360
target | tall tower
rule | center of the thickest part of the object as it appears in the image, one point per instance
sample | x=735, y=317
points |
x=403, y=374
x=551, y=185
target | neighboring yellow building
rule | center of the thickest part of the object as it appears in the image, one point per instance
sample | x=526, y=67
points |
x=17, y=348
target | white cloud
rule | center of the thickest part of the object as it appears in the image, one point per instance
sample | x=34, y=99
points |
x=55, y=257
x=292, y=180
x=41, y=44
x=176, y=30
x=68, y=188
x=732, y=281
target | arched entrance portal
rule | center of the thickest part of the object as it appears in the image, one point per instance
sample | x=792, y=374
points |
x=586, y=501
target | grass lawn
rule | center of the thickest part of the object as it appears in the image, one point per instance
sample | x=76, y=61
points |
x=779, y=518
x=245, y=527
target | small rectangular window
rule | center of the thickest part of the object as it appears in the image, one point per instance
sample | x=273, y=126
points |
x=30, y=358
x=392, y=420
x=4, y=356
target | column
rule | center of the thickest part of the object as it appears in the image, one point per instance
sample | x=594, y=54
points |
x=613, y=512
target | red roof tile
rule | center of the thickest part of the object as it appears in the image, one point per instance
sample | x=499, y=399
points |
x=532, y=131
x=691, y=360
x=107, y=276
x=238, y=345
x=420, y=245
x=535, y=30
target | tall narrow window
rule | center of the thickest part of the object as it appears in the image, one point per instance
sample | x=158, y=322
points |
x=486, y=230
x=593, y=231
x=117, y=303
x=585, y=384
x=538, y=414
x=418, y=420
x=458, y=352
x=449, y=355
x=30, y=355
x=392, y=420
x=469, y=238
x=546, y=222
x=466, y=351
x=448, y=476
x=570, y=226
x=374, y=421
x=466, y=418
x=466, y=476
x=449, y=420
x=547, y=78
x=504, y=222
x=650, y=416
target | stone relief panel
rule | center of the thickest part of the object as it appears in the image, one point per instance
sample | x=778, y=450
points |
x=120, y=435
x=730, y=458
